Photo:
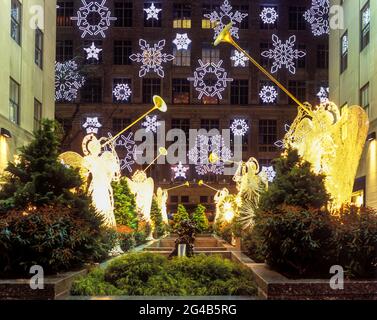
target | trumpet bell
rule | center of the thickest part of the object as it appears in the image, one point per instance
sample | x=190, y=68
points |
x=187, y=184
x=160, y=104
x=224, y=35
x=200, y=183
x=213, y=158
x=163, y=151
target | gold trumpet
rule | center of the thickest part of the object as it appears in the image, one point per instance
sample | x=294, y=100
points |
x=226, y=36
x=186, y=184
x=215, y=158
x=161, y=152
x=159, y=104
x=202, y=183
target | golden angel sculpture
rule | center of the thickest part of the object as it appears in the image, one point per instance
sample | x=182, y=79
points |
x=99, y=169
x=333, y=142
x=162, y=197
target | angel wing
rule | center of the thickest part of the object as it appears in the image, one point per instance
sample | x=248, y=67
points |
x=75, y=161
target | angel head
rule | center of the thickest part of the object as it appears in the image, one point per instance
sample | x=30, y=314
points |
x=91, y=145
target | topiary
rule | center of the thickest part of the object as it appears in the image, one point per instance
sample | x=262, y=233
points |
x=156, y=217
x=180, y=216
x=200, y=219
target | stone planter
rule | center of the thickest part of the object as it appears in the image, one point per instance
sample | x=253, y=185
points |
x=274, y=286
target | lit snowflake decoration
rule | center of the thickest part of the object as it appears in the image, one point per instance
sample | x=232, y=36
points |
x=268, y=94
x=269, y=15
x=152, y=12
x=239, y=59
x=180, y=171
x=318, y=17
x=280, y=143
x=269, y=172
x=323, y=94
x=93, y=18
x=151, y=124
x=128, y=149
x=122, y=92
x=283, y=54
x=182, y=41
x=224, y=17
x=68, y=81
x=92, y=125
x=200, y=153
x=92, y=52
x=239, y=127
x=204, y=85
x=152, y=58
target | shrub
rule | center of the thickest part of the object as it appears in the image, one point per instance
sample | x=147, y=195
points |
x=140, y=238
x=127, y=241
x=224, y=230
x=152, y=274
x=200, y=219
x=156, y=217
x=180, y=216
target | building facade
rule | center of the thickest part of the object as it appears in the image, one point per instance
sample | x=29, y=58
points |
x=353, y=81
x=27, y=41
x=240, y=100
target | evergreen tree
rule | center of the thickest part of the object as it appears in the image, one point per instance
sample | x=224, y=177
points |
x=200, y=219
x=180, y=216
x=124, y=205
x=156, y=217
x=295, y=184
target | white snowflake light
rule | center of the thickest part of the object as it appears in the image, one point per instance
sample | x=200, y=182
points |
x=200, y=153
x=283, y=54
x=269, y=172
x=92, y=125
x=318, y=17
x=93, y=18
x=239, y=59
x=152, y=12
x=127, y=148
x=152, y=58
x=151, y=124
x=68, y=81
x=225, y=16
x=239, y=127
x=269, y=15
x=323, y=94
x=268, y=94
x=180, y=171
x=122, y=92
x=92, y=52
x=182, y=41
x=203, y=82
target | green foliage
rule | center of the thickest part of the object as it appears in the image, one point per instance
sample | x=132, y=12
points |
x=124, y=205
x=127, y=241
x=295, y=184
x=152, y=274
x=180, y=216
x=200, y=219
x=140, y=237
x=156, y=217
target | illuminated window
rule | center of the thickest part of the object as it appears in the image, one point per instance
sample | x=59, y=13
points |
x=208, y=9
x=181, y=91
x=182, y=57
x=365, y=25
x=182, y=16
x=64, y=12
x=15, y=27
x=344, y=52
x=210, y=54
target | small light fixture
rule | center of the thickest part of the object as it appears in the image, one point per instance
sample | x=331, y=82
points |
x=5, y=133
x=371, y=136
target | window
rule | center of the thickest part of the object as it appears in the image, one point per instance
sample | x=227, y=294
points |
x=14, y=101
x=268, y=26
x=245, y=138
x=267, y=135
x=265, y=62
x=182, y=57
x=209, y=124
x=245, y=21
x=123, y=13
x=208, y=9
x=210, y=100
x=364, y=98
x=64, y=50
x=119, y=124
x=323, y=56
x=122, y=52
x=204, y=199
x=97, y=44
x=185, y=199
x=92, y=91
x=344, y=52
x=239, y=92
x=365, y=25
x=151, y=87
x=38, y=48
x=182, y=16
x=64, y=12
x=298, y=89
x=37, y=114
x=174, y=199
x=210, y=54
x=301, y=63
x=152, y=22
x=117, y=81
x=15, y=27
x=296, y=18
x=181, y=91
x=184, y=125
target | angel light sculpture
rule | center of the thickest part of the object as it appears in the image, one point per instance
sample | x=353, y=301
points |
x=99, y=169
x=162, y=199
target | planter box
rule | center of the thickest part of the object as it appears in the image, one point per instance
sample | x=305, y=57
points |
x=274, y=286
x=55, y=287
